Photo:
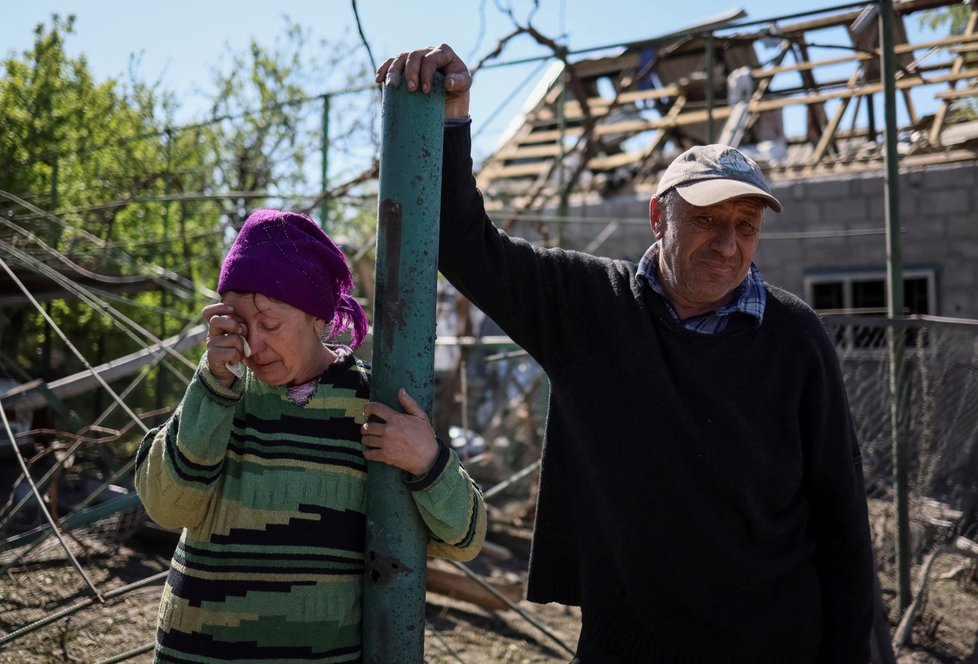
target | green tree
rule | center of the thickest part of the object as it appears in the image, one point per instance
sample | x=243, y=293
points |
x=145, y=208
x=955, y=20
x=96, y=156
x=271, y=100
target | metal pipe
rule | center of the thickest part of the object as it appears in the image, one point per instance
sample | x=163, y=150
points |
x=894, y=305
x=84, y=604
x=404, y=342
x=511, y=604
x=512, y=479
x=44, y=510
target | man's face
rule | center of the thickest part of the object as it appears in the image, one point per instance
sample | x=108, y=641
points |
x=705, y=252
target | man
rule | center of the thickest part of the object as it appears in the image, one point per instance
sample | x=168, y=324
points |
x=701, y=495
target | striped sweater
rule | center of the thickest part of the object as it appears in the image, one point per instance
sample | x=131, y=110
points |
x=270, y=495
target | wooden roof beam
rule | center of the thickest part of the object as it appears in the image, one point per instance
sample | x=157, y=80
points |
x=764, y=72
x=846, y=18
x=957, y=94
x=959, y=60
x=600, y=105
x=829, y=134
x=722, y=112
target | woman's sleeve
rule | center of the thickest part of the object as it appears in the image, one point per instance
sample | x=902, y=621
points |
x=452, y=508
x=179, y=465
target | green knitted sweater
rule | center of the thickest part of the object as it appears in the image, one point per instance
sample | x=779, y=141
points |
x=270, y=494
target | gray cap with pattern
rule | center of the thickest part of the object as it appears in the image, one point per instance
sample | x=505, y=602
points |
x=709, y=174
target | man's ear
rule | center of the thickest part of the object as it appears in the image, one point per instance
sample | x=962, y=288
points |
x=655, y=218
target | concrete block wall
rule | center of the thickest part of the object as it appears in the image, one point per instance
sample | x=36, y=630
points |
x=829, y=224
x=838, y=223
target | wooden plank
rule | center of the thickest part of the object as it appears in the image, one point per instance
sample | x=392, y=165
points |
x=863, y=90
x=957, y=94
x=461, y=587
x=609, y=163
x=769, y=72
x=941, y=115
x=639, y=156
x=517, y=171
x=660, y=135
x=795, y=171
x=600, y=106
x=681, y=120
x=637, y=126
x=906, y=7
x=829, y=132
x=528, y=152
x=550, y=135
x=595, y=67
x=766, y=72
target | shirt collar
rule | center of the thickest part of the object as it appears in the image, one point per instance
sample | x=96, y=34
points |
x=750, y=299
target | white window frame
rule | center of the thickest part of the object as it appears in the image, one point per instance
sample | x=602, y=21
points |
x=847, y=278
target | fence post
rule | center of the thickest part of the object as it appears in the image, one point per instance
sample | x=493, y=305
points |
x=896, y=333
x=403, y=356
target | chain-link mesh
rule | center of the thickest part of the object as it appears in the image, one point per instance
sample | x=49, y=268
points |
x=939, y=412
x=940, y=360
x=49, y=610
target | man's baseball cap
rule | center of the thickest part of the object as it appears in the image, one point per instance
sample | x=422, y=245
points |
x=709, y=174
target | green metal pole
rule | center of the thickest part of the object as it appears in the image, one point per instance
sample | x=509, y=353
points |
x=894, y=306
x=404, y=344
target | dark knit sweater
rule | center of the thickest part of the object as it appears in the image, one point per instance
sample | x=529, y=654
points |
x=701, y=497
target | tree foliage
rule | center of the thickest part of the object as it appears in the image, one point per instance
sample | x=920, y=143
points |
x=133, y=195
x=86, y=152
x=954, y=19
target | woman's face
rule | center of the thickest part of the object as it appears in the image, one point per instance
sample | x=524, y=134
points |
x=285, y=341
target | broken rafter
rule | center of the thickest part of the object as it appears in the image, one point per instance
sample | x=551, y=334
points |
x=620, y=136
x=829, y=134
x=959, y=61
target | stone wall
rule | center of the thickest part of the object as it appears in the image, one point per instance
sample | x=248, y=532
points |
x=938, y=216
x=830, y=225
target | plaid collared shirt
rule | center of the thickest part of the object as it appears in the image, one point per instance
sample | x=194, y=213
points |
x=750, y=298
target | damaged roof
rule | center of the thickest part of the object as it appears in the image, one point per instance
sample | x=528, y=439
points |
x=597, y=126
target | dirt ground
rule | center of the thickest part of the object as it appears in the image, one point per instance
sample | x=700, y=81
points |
x=456, y=631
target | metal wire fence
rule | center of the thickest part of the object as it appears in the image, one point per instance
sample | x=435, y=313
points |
x=939, y=416
x=49, y=610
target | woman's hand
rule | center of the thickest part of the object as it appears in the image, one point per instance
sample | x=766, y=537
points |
x=225, y=340
x=403, y=440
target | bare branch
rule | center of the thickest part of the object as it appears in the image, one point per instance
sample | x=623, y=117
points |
x=586, y=143
x=342, y=188
x=363, y=37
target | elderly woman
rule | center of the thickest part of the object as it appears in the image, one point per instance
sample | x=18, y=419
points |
x=263, y=463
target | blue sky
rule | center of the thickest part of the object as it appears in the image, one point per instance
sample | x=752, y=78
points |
x=180, y=42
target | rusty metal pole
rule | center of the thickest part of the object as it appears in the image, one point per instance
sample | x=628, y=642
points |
x=404, y=343
x=896, y=337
